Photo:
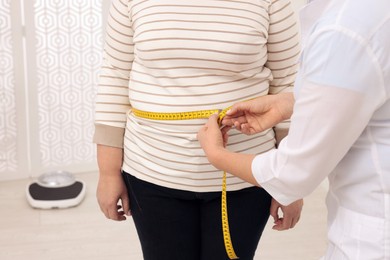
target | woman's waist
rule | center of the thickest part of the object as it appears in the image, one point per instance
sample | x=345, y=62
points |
x=181, y=136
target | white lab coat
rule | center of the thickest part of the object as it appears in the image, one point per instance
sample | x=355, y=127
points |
x=340, y=128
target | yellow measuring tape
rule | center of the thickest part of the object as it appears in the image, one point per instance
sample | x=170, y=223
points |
x=200, y=114
x=225, y=223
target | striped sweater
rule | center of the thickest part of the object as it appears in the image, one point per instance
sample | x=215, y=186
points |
x=182, y=55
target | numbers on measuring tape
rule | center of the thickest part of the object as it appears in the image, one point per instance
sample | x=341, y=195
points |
x=200, y=114
x=174, y=116
x=225, y=222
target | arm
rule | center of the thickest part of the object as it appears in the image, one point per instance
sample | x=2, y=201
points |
x=331, y=108
x=111, y=187
x=112, y=104
x=212, y=142
x=282, y=59
x=283, y=46
x=239, y=164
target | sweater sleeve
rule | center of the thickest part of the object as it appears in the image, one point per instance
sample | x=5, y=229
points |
x=283, y=52
x=112, y=100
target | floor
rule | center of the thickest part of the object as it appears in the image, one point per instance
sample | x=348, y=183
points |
x=82, y=232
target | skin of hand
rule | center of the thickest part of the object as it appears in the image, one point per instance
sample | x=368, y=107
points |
x=213, y=142
x=111, y=190
x=261, y=113
x=291, y=214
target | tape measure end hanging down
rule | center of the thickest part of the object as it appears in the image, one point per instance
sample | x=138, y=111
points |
x=225, y=222
x=203, y=114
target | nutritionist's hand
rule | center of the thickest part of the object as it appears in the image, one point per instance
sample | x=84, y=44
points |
x=257, y=115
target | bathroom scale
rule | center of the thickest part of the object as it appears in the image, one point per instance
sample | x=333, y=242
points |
x=54, y=190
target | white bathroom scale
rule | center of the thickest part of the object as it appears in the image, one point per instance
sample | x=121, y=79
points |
x=55, y=190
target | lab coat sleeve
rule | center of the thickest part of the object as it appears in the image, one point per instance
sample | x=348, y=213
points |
x=340, y=88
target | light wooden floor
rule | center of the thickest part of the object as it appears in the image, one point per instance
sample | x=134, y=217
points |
x=82, y=232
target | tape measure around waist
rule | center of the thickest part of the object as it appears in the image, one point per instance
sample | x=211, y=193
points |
x=200, y=114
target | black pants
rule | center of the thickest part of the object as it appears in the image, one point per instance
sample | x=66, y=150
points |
x=182, y=225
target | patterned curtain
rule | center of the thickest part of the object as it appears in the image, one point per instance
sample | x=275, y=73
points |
x=8, y=122
x=62, y=55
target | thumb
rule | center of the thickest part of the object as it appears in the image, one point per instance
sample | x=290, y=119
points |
x=213, y=120
x=126, y=204
x=274, y=211
x=237, y=109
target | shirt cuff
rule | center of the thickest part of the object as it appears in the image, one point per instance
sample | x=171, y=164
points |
x=265, y=174
x=109, y=135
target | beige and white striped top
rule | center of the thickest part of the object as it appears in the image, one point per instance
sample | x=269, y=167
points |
x=182, y=55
